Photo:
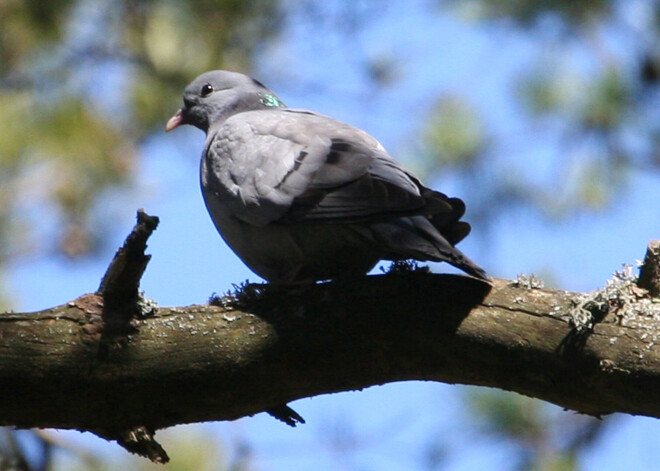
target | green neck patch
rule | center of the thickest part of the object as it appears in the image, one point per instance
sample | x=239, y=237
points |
x=271, y=100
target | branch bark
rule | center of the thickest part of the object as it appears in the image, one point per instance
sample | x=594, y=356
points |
x=60, y=368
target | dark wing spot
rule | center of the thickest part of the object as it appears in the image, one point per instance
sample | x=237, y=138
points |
x=296, y=165
x=333, y=157
x=339, y=145
x=299, y=161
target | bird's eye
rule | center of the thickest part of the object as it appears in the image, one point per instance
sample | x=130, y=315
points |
x=206, y=90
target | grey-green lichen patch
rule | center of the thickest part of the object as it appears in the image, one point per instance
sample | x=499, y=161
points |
x=527, y=281
x=147, y=307
x=621, y=297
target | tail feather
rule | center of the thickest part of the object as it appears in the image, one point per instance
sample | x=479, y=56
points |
x=449, y=231
x=454, y=233
x=418, y=238
x=458, y=259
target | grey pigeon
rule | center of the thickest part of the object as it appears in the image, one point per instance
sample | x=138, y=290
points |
x=301, y=197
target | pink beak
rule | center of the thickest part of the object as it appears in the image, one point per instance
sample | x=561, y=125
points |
x=175, y=121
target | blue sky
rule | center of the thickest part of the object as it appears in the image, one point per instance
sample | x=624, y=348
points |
x=434, y=54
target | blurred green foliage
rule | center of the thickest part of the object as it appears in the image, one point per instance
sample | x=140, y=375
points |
x=607, y=101
x=528, y=12
x=60, y=123
x=454, y=135
x=590, y=91
x=545, y=437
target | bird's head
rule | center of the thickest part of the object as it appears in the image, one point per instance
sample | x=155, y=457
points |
x=215, y=96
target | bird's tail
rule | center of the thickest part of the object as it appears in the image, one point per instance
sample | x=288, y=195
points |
x=455, y=257
x=418, y=238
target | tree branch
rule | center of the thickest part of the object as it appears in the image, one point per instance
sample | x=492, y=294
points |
x=264, y=348
x=119, y=286
x=649, y=274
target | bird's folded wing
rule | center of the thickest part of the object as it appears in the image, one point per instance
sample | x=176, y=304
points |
x=296, y=167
